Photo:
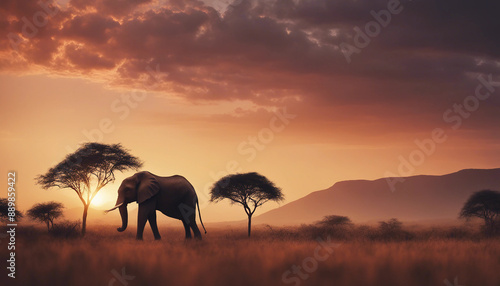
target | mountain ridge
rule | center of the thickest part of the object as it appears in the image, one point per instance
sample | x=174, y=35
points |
x=441, y=197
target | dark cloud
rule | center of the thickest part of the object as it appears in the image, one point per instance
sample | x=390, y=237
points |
x=89, y=28
x=83, y=59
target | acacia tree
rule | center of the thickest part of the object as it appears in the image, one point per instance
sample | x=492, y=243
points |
x=251, y=190
x=46, y=212
x=4, y=210
x=483, y=204
x=88, y=170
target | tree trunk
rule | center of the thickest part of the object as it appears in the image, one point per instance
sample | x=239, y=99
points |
x=84, y=219
x=249, y=225
x=48, y=226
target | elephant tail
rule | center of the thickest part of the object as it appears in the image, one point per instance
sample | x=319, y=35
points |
x=199, y=214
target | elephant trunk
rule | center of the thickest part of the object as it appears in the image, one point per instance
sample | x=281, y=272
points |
x=124, y=215
x=114, y=208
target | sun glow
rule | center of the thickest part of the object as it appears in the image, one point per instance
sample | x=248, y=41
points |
x=102, y=199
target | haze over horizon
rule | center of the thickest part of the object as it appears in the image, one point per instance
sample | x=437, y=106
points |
x=201, y=89
x=421, y=199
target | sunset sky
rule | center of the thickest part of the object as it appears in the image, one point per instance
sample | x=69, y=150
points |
x=198, y=87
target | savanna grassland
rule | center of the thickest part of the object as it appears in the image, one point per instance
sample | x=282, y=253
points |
x=358, y=255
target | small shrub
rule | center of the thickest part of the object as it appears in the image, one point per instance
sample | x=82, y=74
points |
x=335, y=220
x=392, y=225
x=393, y=230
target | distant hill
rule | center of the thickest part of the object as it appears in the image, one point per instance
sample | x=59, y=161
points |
x=418, y=198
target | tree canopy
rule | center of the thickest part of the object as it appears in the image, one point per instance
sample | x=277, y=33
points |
x=483, y=204
x=46, y=212
x=88, y=170
x=251, y=190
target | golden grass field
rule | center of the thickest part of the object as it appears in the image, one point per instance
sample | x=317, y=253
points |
x=228, y=257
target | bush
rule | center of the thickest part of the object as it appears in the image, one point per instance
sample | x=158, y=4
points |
x=66, y=229
x=391, y=226
x=335, y=220
x=393, y=230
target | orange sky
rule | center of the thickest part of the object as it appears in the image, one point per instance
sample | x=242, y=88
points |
x=219, y=82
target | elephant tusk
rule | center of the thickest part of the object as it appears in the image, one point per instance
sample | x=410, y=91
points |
x=117, y=206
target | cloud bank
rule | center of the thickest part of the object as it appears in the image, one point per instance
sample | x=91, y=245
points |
x=271, y=53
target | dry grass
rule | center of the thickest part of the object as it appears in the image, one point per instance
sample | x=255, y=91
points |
x=227, y=257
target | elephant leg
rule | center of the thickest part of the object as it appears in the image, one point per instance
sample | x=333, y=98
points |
x=186, y=228
x=154, y=226
x=141, y=222
x=196, y=231
x=145, y=210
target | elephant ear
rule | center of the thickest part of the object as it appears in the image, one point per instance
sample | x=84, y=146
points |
x=148, y=187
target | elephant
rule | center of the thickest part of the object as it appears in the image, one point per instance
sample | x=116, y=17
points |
x=173, y=196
